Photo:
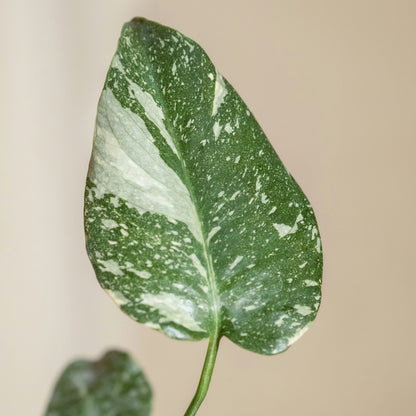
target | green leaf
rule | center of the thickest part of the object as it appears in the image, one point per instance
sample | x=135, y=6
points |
x=111, y=386
x=193, y=224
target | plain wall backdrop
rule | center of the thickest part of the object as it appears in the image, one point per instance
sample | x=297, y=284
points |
x=333, y=85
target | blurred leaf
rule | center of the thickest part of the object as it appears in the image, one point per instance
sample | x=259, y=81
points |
x=112, y=386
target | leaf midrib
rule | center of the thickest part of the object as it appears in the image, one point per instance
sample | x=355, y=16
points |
x=211, y=276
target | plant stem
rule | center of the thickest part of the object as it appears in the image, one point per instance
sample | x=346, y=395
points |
x=206, y=375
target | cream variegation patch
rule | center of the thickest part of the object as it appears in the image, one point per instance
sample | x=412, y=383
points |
x=174, y=308
x=126, y=163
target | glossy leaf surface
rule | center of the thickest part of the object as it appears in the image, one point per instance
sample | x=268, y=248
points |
x=193, y=224
x=111, y=386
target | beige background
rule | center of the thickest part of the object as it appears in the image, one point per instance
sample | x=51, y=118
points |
x=333, y=85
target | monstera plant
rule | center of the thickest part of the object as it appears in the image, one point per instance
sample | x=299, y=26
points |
x=194, y=226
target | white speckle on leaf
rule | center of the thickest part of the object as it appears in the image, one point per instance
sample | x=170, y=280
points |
x=198, y=265
x=152, y=325
x=298, y=334
x=279, y=322
x=213, y=231
x=234, y=195
x=301, y=266
x=115, y=201
x=110, y=266
x=173, y=332
x=220, y=93
x=108, y=223
x=284, y=229
x=117, y=297
x=258, y=184
x=237, y=159
x=174, y=308
x=309, y=283
x=190, y=45
x=318, y=245
x=250, y=308
x=228, y=128
x=144, y=274
x=236, y=261
x=217, y=130
x=174, y=68
x=314, y=233
x=179, y=286
x=211, y=76
x=303, y=310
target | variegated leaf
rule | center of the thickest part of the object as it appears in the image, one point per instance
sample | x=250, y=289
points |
x=193, y=223
x=111, y=386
